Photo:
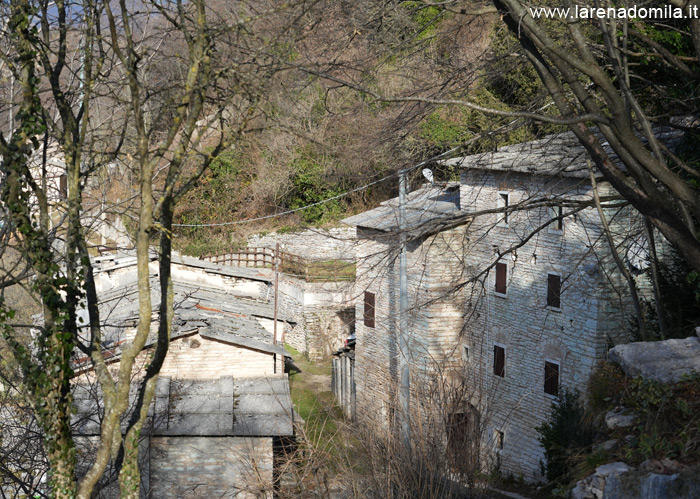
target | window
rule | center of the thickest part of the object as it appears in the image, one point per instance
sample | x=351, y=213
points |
x=465, y=354
x=499, y=361
x=369, y=309
x=498, y=439
x=503, y=202
x=554, y=290
x=501, y=272
x=551, y=378
x=63, y=186
x=555, y=214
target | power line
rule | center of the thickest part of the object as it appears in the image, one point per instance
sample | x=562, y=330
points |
x=288, y=212
x=318, y=203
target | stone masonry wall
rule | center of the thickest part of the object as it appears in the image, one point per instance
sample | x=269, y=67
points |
x=330, y=329
x=194, y=357
x=376, y=348
x=322, y=314
x=206, y=467
x=520, y=320
x=314, y=244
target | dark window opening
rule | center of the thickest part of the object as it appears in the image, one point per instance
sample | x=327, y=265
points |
x=504, y=205
x=501, y=272
x=551, y=378
x=558, y=221
x=499, y=361
x=369, y=309
x=463, y=440
x=63, y=186
x=554, y=290
x=498, y=439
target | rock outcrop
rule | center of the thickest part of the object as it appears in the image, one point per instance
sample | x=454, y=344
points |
x=664, y=361
x=620, y=481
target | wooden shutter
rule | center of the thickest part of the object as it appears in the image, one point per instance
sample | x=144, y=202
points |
x=63, y=186
x=551, y=378
x=499, y=361
x=501, y=272
x=369, y=309
x=553, y=290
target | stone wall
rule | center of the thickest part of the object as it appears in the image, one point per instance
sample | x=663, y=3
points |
x=194, y=357
x=376, y=348
x=327, y=329
x=323, y=313
x=208, y=467
x=313, y=244
x=520, y=321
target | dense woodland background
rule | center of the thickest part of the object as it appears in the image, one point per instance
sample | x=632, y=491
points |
x=318, y=137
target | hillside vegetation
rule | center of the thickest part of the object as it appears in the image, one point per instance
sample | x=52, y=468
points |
x=320, y=138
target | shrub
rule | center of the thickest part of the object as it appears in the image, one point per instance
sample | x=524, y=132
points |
x=565, y=434
x=312, y=182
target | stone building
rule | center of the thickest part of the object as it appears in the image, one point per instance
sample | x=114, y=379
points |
x=103, y=230
x=222, y=406
x=513, y=297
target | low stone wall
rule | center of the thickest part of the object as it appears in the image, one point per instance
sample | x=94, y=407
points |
x=314, y=244
x=210, y=467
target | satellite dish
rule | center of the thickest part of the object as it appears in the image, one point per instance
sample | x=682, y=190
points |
x=428, y=174
x=638, y=256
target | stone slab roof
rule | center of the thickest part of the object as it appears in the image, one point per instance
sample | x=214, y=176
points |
x=122, y=301
x=555, y=155
x=434, y=202
x=212, y=314
x=204, y=303
x=254, y=407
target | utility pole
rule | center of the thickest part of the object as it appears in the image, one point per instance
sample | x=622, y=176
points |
x=277, y=263
x=274, y=325
x=405, y=387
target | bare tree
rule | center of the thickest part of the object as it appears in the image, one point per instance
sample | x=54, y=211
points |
x=92, y=106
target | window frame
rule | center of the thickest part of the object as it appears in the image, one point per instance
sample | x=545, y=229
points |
x=369, y=320
x=558, y=366
x=504, y=266
x=558, y=295
x=503, y=368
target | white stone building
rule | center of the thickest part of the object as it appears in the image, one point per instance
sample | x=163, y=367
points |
x=513, y=297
